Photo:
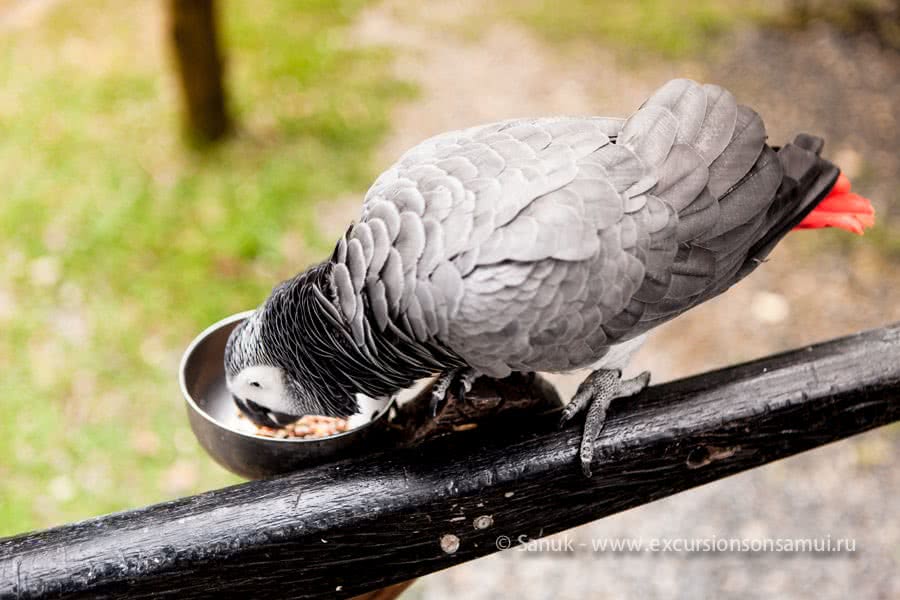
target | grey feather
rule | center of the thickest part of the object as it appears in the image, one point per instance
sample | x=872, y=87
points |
x=650, y=133
x=459, y=167
x=692, y=272
x=487, y=161
x=687, y=102
x=682, y=177
x=429, y=308
x=410, y=242
x=438, y=203
x=518, y=238
x=409, y=289
x=433, y=252
x=738, y=158
x=367, y=345
x=357, y=325
x=624, y=322
x=330, y=308
x=344, y=288
x=580, y=136
x=363, y=233
x=602, y=206
x=392, y=276
x=487, y=190
x=441, y=311
x=658, y=215
x=356, y=264
x=621, y=166
x=536, y=138
x=340, y=251
x=381, y=246
x=458, y=227
x=638, y=188
x=416, y=319
x=388, y=214
x=448, y=281
x=752, y=197
x=697, y=218
x=718, y=125
x=558, y=162
x=378, y=302
x=611, y=127
x=407, y=198
x=466, y=261
x=731, y=249
x=511, y=149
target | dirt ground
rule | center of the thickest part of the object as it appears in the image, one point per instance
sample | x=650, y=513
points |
x=809, y=81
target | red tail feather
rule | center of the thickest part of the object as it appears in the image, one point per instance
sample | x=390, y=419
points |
x=841, y=208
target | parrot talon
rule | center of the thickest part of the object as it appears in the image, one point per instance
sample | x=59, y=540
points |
x=436, y=403
x=460, y=379
x=439, y=392
x=596, y=393
x=633, y=386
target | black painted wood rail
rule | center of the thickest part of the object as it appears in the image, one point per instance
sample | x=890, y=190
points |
x=344, y=528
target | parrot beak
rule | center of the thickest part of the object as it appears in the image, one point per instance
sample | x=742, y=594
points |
x=260, y=416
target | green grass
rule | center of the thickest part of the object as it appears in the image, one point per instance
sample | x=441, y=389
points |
x=667, y=28
x=118, y=244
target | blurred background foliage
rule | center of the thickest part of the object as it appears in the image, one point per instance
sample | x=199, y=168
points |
x=119, y=242
x=878, y=18
x=669, y=29
x=675, y=29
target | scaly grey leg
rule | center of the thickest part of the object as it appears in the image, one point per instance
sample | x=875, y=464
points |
x=596, y=393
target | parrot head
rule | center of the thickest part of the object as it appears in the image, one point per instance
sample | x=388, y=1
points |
x=269, y=380
x=296, y=356
x=258, y=391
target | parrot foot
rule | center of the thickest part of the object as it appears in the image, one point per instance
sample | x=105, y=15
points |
x=595, y=394
x=461, y=379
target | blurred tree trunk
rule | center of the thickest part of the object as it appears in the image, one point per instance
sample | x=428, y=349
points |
x=192, y=30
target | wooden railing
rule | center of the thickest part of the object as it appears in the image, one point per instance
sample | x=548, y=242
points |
x=348, y=527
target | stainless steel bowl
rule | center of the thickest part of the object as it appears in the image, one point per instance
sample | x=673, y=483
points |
x=231, y=441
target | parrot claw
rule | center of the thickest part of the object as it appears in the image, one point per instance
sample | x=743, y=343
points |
x=461, y=379
x=633, y=386
x=595, y=394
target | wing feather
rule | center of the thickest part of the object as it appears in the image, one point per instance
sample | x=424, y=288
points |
x=540, y=243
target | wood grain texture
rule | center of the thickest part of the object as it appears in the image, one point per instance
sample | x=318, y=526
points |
x=353, y=526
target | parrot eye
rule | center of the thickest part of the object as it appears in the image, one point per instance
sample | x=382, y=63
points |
x=255, y=384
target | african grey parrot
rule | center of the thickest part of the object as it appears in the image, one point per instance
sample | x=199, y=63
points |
x=546, y=244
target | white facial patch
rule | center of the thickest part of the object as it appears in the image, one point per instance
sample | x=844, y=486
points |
x=263, y=385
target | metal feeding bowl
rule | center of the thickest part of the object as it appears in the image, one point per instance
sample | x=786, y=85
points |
x=233, y=441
